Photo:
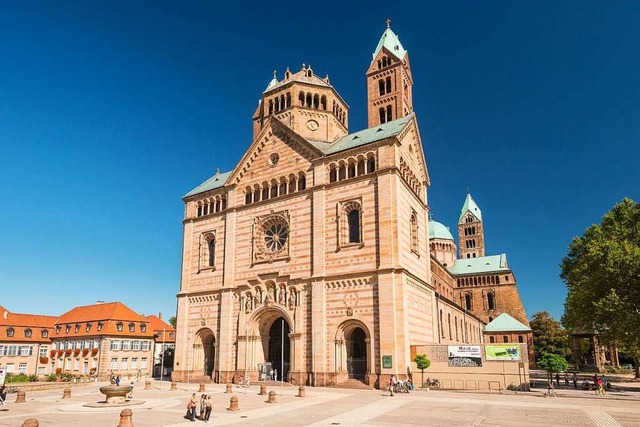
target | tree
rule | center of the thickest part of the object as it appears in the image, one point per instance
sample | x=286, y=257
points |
x=423, y=363
x=602, y=274
x=552, y=363
x=173, y=321
x=548, y=335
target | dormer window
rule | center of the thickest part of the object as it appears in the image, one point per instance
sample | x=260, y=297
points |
x=10, y=332
x=45, y=333
x=67, y=329
x=58, y=329
x=77, y=327
x=27, y=333
x=89, y=326
x=132, y=327
x=119, y=326
x=100, y=325
x=172, y=335
x=143, y=327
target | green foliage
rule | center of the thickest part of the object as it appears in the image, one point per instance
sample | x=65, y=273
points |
x=548, y=335
x=422, y=362
x=51, y=378
x=553, y=363
x=173, y=321
x=602, y=274
x=66, y=376
x=20, y=378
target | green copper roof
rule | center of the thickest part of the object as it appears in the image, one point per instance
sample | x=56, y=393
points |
x=367, y=136
x=484, y=264
x=505, y=323
x=391, y=42
x=212, y=183
x=470, y=205
x=439, y=231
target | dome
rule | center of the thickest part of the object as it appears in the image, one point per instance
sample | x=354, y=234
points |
x=437, y=230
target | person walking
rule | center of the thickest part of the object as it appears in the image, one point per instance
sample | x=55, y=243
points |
x=566, y=380
x=271, y=374
x=391, y=386
x=275, y=375
x=118, y=381
x=203, y=406
x=575, y=380
x=191, y=406
x=208, y=409
x=558, y=379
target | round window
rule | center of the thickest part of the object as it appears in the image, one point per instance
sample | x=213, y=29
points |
x=273, y=159
x=276, y=233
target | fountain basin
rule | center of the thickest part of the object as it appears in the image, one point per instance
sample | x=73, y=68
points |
x=116, y=395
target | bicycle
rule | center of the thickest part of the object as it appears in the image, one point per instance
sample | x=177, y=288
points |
x=435, y=383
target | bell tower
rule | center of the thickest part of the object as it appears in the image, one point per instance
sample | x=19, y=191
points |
x=389, y=81
x=470, y=230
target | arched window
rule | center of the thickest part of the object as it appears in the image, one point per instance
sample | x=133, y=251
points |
x=333, y=176
x=354, y=226
x=270, y=107
x=492, y=339
x=323, y=102
x=389, y=113
x=273, y=189
x=383, y=117
x=350, y=223
x=381, y=87
x=292, y=183
x=520, y=339
x=467, y=302
x=414, y=232
x=371, y=164
x=288, y=99
x=491, y=301
x=456, y=323
x=505, y=339
x=441, y=324
x=247, y=195
x=301, y=99
x=449, y=323
x=316, y=101
x=209, y=252
x=302, y=181
x=308, y=100
x=388, y=84
x=351, y=170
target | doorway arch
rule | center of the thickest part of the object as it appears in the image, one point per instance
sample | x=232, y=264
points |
x=204, y=352
x=352, y=352
x=279, y=347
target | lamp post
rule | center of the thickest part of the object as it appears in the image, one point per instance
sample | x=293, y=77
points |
x=246, y=351
x=282, y=360
x=162, y=356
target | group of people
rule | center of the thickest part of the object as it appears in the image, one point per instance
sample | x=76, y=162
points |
x=201, y=410
x=115, y=380
x=273, y=374
x=600, y=384
x=399, y=386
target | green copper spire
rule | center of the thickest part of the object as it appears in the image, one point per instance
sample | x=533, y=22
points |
x=391, y=42
x=470, y=205
x=273, y=82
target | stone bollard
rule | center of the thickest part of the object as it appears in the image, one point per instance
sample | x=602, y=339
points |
x=66, y=393
x=233, y=404
x=201, y=389
x=147, y=385
x=20, y=397
x=272, y=397
x=174, y=386
x=31, y=422
x=228, y=390
x=263, y=390
x=126, y=418
x=301, y=391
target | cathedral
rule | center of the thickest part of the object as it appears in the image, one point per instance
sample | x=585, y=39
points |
x=316, y=256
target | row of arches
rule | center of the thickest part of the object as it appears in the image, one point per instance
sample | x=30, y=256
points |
x=384, y=86
x=470, y=231
x=211, y=205
x=352, y=167
x=461, y=329
x=491, y=300
x=386, y=114
x=279, y=103
x=470, y=244
x=311, y=100
x=410, y=178
x=339, y=112
x=449, y=247
x=479, y=281
x=275, y=188
x=385, y=61
x=469, y=219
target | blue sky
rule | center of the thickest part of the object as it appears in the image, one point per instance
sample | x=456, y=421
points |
x=111, y=111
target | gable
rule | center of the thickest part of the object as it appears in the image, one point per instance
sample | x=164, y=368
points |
x=412, y=151
x=276, y=152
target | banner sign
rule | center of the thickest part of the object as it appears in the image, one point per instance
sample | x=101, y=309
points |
x=466, y=356
x=3, y=374
x=502, y=352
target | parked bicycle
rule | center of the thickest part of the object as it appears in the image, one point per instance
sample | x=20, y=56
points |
x=431, y=383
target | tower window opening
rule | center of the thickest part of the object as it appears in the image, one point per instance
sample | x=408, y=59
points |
x=389, y=113
x=388, y=84
x=288, y=100
x=308, y=100
x=381, y=87
x=383, y=117
x=491, y=301
x=301, y=99
x=316, y=101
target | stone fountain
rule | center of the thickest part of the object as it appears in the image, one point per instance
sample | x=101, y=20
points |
x=116, y=396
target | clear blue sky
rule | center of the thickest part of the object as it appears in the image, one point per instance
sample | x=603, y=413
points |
x=111, y=111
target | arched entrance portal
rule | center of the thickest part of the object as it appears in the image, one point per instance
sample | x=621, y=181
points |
x=204, y=353
x=279, y=347
x=356, y=354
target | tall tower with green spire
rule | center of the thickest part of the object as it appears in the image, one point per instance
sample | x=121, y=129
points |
x=389, y=81
x=470, y=230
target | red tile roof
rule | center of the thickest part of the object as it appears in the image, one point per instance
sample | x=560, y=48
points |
x=110, y=315
x=20, y=323
x=158, y=326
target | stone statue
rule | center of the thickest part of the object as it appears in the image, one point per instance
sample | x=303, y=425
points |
x=283, y=295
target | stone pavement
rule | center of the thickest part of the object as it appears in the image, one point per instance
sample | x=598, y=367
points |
x=330, y=407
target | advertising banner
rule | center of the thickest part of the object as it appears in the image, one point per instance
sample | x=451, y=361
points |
x=465, y=356
x=502, y=352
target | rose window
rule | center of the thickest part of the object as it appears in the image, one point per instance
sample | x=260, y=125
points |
x=275, y=232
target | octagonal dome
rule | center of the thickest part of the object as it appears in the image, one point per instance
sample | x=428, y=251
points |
x=437, y=230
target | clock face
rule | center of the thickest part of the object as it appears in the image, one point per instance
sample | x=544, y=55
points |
x=312, y=125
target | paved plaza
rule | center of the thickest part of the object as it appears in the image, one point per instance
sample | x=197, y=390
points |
x=330, y=406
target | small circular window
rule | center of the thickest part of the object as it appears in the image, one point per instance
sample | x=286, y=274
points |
x=275, y=234
x=273, y=159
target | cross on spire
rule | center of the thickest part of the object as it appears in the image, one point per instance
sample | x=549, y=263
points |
x=388, y=22
x=275, y=73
